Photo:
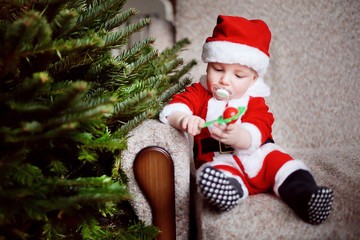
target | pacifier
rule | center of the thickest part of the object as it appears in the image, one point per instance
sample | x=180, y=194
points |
x=221, y=94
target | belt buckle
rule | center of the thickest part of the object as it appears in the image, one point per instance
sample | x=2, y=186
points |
x=227, y=148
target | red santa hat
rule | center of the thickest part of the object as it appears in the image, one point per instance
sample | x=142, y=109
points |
x=238, y=40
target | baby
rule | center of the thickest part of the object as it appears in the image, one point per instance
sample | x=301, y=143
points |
x=239, y=159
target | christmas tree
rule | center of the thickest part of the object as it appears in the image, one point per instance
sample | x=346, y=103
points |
x=66, y=107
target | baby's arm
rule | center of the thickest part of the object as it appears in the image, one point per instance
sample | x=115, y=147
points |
x=233, y=135
x=186, y=122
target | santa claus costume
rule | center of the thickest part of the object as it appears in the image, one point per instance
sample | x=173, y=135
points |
x=226, y=175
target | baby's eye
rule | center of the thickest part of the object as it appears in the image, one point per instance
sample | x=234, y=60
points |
x=217, y=68
x=238, y=76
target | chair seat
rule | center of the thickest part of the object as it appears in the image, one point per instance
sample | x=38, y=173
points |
x=265, y=216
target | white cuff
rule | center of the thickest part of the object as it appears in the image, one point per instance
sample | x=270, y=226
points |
x=255, y=138
x=285, y=171
x=172, y=108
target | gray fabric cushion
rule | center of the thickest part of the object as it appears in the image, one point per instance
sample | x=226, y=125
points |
x=265, y=216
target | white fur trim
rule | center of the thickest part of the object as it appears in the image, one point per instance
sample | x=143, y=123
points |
x=217, y=107
x=259, y=89
x=253, y=162
x=172, y=108
x=228, y=160
x=214, y=110
x=287, y=169
x=229, y=52
x=239, y=102
x=255, y=135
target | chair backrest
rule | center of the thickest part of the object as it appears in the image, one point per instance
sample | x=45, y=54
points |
x=161, y=13
x=314, y=70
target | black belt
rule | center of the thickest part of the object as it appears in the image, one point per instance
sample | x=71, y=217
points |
x=212, y=145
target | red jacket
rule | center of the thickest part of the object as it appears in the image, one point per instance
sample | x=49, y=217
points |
x=196, y=98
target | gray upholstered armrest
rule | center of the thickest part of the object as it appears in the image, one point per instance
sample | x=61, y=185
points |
x=177, y=144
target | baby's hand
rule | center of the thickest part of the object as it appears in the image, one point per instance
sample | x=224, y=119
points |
x=231, y=134
x=225, y=133
x=192, y=124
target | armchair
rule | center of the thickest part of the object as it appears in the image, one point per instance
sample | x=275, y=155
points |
x=314, y=76
x=158, y=164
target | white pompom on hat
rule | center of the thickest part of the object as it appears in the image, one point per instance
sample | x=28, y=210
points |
x=238, y=40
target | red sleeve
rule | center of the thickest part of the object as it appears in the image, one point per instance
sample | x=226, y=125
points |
x=258, y=114
x=194, y=96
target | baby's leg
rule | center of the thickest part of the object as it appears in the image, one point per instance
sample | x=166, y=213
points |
x=296, y=186
x=292, y=181
x=310, y=202
x=221, y=184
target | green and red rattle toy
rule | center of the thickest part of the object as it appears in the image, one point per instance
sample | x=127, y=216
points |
x=230, y=115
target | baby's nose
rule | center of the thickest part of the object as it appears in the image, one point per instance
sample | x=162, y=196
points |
x=225, y=79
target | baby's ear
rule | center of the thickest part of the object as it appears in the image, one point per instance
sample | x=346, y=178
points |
x=254, y=79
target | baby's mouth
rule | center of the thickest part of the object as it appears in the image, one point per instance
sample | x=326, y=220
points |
x=221, y=93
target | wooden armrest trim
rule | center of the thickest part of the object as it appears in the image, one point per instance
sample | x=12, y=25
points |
x=154, y=173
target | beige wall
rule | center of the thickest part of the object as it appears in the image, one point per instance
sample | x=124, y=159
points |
x=314, y=70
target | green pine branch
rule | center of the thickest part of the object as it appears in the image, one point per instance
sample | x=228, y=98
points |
x=171, y=52
x=141, y=61
x=183, y=71
x=124, y=56
x=119, y=19
x=93, y=12
x=131, y=124
x=115, y=38
x=167, y=95
x=125, y=105
x=67, y=106
x=150, y=83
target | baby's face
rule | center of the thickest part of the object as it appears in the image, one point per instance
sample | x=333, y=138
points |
x=235, y=78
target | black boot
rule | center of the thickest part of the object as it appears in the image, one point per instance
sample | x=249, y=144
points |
x=220, y=191
x=309, y=201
